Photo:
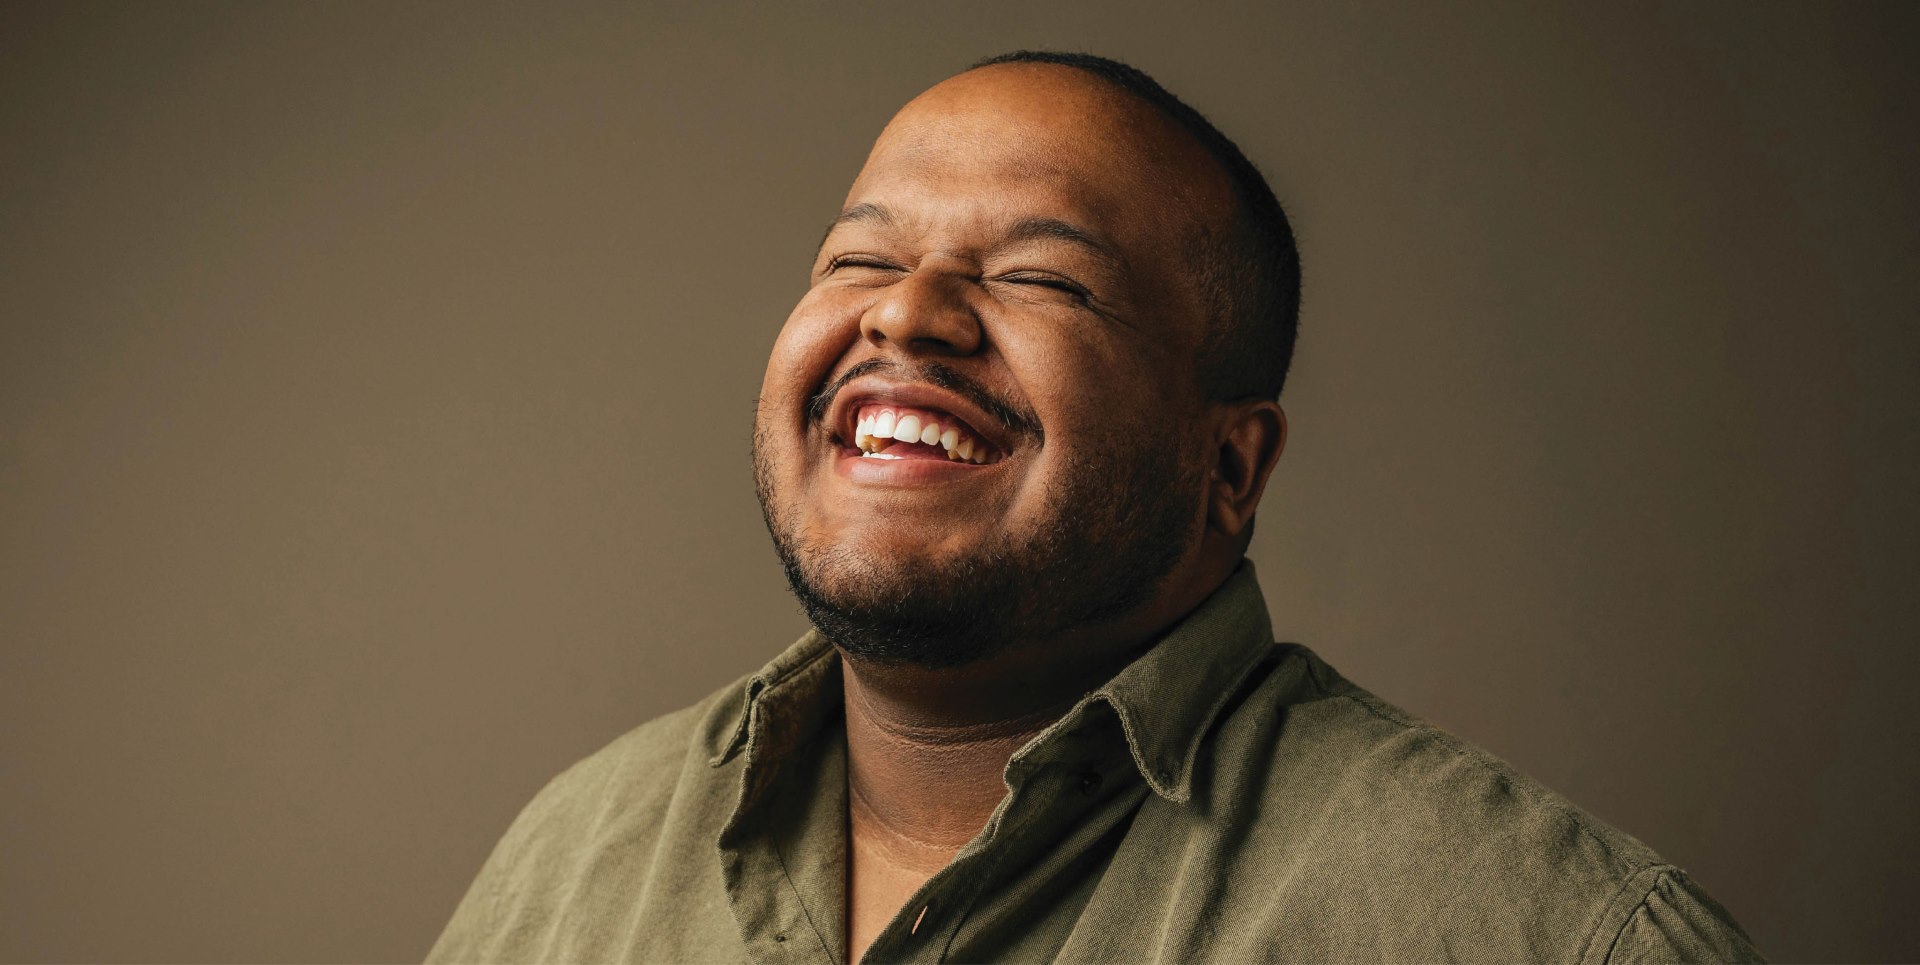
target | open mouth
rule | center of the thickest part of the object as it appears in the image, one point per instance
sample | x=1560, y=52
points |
x=890, y=431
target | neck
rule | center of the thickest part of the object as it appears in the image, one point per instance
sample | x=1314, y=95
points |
x=924, y=766
x=921, y=785
x=926, y=749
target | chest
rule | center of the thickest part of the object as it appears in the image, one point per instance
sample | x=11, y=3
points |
x=880, y=884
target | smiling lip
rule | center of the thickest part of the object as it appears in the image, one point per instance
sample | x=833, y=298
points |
x=893, y=431
x=852, y=465
x=856, y=407
x=900, y=462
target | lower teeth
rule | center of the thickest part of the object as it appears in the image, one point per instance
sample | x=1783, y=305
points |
x=878, y=455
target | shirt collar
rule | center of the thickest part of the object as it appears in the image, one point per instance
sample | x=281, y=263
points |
x=1166, y=699
x=789, y=686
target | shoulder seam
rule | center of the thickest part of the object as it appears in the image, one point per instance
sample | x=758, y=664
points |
x=1657, y=872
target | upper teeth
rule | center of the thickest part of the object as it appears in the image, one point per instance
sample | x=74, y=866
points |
x=877, y=428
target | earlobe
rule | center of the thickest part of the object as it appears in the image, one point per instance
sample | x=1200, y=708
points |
x=1251, y=436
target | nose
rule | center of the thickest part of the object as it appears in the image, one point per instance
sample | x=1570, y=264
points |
x=926, y=311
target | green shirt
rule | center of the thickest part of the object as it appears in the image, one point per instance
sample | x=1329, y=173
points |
x=1222, y=799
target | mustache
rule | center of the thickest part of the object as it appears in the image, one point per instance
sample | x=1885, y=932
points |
x=932, y=373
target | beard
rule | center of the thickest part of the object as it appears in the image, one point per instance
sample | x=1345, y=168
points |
x=1111, y=529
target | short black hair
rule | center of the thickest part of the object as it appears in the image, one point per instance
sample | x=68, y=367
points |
x=1252, y=277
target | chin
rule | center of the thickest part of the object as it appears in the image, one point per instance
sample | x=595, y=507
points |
x=906, y=611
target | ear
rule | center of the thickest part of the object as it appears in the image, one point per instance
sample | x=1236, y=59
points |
x=1251, y=433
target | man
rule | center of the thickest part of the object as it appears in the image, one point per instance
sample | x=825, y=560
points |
x=1009, y=446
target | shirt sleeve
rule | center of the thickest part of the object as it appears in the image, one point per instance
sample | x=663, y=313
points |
x=1676, y=921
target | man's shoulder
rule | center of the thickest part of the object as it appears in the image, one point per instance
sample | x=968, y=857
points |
x=1365, y=798
x=1398, y=775
x=643, y=768
x=628, y=790
x=579, y=856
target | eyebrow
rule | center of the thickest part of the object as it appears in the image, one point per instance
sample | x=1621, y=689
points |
x=1036, y=229
x=864, y=213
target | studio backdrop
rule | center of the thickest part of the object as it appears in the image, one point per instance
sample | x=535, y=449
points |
x=375, y=385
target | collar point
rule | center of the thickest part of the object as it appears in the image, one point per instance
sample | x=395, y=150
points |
x=1175, y=786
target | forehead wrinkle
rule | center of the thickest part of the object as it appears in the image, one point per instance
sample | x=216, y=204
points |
x=1083, y=187
x=1017, y=197
x=932, y=135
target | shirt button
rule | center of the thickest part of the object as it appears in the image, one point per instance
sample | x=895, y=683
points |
x=1090, y=783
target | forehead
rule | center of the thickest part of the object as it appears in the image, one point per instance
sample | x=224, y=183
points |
x=1011, y=141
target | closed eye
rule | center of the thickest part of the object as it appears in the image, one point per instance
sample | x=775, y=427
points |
x=857, y=261
x=1054, y=282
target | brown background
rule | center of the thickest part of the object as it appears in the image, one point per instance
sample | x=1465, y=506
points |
x=375, y=387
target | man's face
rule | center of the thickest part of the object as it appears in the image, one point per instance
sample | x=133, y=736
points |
x=1013, y=267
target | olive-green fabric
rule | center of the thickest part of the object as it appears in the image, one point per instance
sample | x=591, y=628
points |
x=1222, y=799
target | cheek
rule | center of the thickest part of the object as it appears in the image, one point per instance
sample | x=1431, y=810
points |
x=1088, y=388
x=814, y=337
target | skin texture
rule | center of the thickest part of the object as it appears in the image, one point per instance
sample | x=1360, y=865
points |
x=1125, y=495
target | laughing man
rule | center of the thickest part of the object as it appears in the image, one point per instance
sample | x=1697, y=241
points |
x=1010, y=446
